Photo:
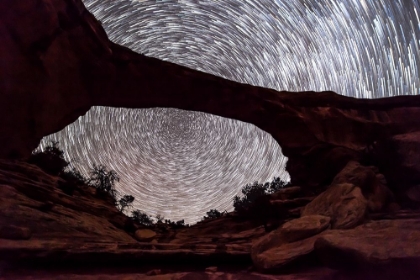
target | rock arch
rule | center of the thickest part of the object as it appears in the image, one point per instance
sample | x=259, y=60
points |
x=56, y=62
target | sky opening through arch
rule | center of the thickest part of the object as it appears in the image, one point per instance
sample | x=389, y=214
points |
x=359, y=48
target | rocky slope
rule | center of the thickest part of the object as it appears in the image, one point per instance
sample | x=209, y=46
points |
x=339, y=234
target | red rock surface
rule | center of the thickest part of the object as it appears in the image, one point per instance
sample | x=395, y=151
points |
x=46, y=233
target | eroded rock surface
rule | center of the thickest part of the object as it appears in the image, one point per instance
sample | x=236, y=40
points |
x=377, y=243
x=372, y=183
x=343, y=203
x=293, y=240
x=40, y=222
x=144, y=235
x=47, y=227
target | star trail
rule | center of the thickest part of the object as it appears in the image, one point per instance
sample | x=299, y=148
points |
x=181, y=164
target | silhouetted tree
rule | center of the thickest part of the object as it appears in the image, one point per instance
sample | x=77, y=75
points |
x=141, y=218
x=51, y=159
x=159, y=219
x=103, y=179
x=125, y=201
x=276, y=185
x=255, y=202
x=177, y=224
x=250, y=194
x=212, y=214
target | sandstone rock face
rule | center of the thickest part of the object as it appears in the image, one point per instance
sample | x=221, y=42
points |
x=304, y=227
x=40, y=222
x=356, y=174
x=280, y=256
x=344, y=203
x=58, y=62
x=145, y=235
x=284, y=245
x=373, y=184
x=387, y=242
x=293, y=230
x=33, y=206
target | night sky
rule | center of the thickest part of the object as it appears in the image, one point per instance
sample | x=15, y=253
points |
x=181, y=164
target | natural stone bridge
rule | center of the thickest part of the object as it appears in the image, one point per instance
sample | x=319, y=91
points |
x=56, y=62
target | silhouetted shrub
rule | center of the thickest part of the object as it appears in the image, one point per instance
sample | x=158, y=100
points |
x=276, y=185
x=103, y=179
x=159, y=219
x=177, y=224
x=125, y=202
x=213, y=214
x=51, y=159
x=254, y=191
x=141, y=218
x=255, y=203
x=180, y=223
x=250, y=194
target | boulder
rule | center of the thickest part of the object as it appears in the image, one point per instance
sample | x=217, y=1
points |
x=280, y=256
x=373, y=184
x=362, y=176
x=145, y=235
x=287, y=243
x=304, y=227
x=384, y=242
x=343, y=203
x=291, y=231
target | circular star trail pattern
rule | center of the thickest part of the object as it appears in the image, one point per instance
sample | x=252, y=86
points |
x=181, y=164
x=178, y=164
x=360, y=48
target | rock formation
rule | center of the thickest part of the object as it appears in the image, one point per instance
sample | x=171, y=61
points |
x=46, y=232
x=355, y=163
x=57, y=62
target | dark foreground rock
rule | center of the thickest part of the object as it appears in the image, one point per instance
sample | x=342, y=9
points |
x=294, y=240
x=374, y=244
x=47, y=233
